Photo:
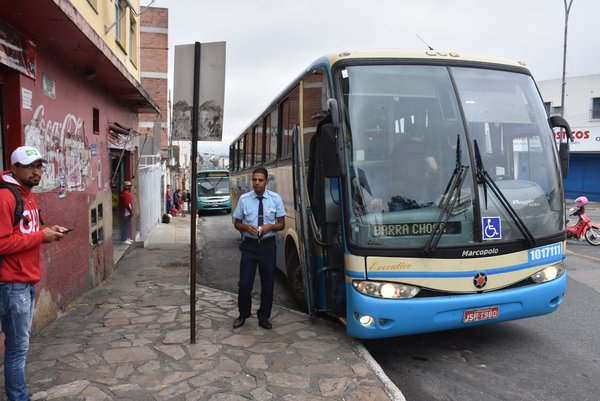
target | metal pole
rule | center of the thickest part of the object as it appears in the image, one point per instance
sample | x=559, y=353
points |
x=195, y=108
x=562, y=95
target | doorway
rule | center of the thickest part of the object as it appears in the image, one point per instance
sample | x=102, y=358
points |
x=119, y=160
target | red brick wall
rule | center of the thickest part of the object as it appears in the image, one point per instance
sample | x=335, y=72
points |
x=154, y=50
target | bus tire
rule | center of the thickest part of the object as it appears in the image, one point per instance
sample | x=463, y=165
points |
x=295, y=280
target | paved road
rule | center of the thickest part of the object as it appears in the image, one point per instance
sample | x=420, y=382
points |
x=548, y=358
x=220, y=267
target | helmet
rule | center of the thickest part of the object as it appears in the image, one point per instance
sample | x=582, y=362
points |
x=581, y=201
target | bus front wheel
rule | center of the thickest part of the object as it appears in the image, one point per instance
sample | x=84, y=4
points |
x=295, y=280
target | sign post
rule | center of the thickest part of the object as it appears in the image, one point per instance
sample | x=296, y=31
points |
x=198, y=116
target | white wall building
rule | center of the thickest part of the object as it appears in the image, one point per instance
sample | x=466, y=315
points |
x=582, y=111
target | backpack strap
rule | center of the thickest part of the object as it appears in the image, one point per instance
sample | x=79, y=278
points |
x=19, y=208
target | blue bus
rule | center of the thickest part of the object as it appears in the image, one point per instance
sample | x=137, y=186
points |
x=423, y=190
x=213, y=191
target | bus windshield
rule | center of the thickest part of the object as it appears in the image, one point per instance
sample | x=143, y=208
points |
x=421, y=140
x=211, y=184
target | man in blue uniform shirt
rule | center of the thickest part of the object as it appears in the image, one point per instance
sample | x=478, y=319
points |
x=258, y=215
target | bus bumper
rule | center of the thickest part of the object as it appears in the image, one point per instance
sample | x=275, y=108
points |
x=391, y=318
x=216, y=205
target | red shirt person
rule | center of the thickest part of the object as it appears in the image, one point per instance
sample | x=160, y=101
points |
x=21, y=266
x=126, y=212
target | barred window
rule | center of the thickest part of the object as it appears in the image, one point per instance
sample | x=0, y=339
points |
x=596, y=108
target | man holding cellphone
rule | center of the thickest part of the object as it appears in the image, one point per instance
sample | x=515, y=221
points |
x=21, y=266
x=258, y=216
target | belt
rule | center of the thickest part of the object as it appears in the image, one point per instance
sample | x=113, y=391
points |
x=260, y=240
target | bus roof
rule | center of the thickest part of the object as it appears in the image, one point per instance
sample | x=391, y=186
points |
x=394, y=54
x=419, y=55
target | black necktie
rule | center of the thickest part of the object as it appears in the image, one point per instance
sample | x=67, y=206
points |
x=260, y=211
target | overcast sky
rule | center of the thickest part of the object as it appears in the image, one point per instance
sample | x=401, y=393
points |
x=269, y=42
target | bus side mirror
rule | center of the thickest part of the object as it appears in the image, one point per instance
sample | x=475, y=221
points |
x=332, y=104
x=563, y=147
x=559, y=122
x=329, y=154
x=563, y=157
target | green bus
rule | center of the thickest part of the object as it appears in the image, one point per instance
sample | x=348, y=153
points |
x=213, y=190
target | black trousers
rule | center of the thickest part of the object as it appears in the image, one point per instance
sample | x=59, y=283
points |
x=261, y=254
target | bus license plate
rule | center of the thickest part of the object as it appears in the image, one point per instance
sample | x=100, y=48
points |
x=475, y=315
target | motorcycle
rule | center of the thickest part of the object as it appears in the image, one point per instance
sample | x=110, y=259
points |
x=584, y=228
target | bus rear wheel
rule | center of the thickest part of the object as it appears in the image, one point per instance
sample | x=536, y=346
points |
x=295, y=280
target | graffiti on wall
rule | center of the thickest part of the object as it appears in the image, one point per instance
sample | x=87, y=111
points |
x=65, y=147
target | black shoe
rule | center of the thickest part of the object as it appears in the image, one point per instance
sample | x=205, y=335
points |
x=239, y=322
x=265, y=324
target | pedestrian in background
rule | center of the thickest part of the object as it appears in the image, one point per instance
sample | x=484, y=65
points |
x=258, y=215
x=187, y=198
x=177, y=199
x=21, y=266
x=126, y=212
x=169, y=197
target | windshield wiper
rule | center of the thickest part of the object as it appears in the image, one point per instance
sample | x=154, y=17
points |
x=483, y=178
x=449, y=200
x=218, y=182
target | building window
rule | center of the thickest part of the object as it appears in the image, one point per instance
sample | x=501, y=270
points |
x=96, y=121
x=548, y=108
x=119, y=19
x=596, y=108
x=97, y=224
x=556, y=111
x=133, y=41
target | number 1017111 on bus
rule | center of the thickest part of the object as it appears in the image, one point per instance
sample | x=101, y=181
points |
x=422, y=189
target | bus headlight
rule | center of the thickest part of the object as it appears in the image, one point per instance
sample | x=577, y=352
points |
x=549, y=273
x=381, y=289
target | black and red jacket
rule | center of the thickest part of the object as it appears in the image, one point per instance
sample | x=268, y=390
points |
x=19, y=244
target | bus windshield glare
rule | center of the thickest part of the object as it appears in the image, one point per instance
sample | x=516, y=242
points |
x=420, y=141
x=213, y=184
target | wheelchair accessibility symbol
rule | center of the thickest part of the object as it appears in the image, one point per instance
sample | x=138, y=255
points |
x=491, y=228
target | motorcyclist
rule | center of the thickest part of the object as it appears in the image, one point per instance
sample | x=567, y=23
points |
x=579, y=208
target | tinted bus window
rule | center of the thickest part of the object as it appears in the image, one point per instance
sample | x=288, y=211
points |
x=258, y=144
x=291, y=121
x=314, y=106
x=249, y=152
x=232, y=157
x=272, y=134
x=241, y=155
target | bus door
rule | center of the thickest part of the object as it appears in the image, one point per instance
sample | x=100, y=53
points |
x=324, y=222
x=301, y=215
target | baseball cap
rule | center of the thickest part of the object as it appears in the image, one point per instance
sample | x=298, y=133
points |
x=25, y=155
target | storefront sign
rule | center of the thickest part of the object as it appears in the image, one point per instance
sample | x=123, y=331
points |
x=17, y=52
x=586, y=139
x=26, y=99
